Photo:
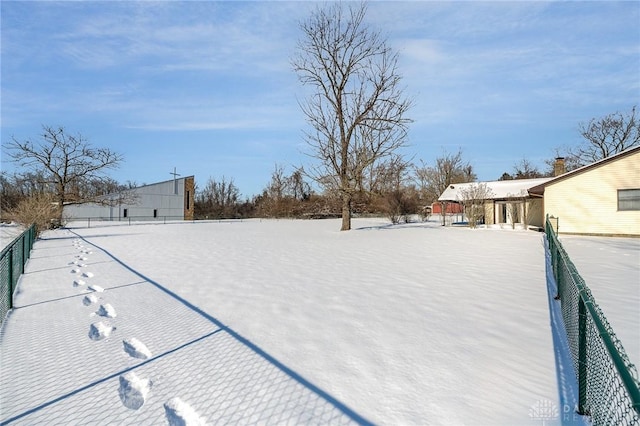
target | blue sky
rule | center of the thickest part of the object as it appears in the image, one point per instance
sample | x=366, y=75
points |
x=207, y=87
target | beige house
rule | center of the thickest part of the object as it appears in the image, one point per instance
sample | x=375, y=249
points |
x=602, y=198
x=504, y=202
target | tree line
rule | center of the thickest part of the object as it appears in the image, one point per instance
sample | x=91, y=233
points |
x=357, y=127
x=61, y=169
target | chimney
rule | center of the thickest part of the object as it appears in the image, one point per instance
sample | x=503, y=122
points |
x=559, y=167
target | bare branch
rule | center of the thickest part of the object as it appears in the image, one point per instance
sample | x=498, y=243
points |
x=607, y=136
x=357, y=113
x=67, y=164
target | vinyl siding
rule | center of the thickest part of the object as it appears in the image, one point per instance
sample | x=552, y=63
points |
x=587, y=203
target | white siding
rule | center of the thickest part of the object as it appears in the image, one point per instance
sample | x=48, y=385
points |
x=166, y=198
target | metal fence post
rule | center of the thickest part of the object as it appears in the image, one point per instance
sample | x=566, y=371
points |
x=30, y=241
x=23, y=259
x=582, y=356
x=10, y=278
x=559, y=278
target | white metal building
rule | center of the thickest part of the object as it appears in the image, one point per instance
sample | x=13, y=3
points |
x=169, y=200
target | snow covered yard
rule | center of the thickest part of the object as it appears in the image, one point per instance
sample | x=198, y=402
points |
x=611, y=268
x=407, y=324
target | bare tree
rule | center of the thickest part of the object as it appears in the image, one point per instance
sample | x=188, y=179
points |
x=603, y=137
x=357, y=113
x=272, y=202
x=447, y=170
x=473, y=198
x=65, y=162
x=285, y=195
x=15, y=188
x=218, y=199
x=389, y=181
x=297, y=187
x=524, y=169
x=513, y=210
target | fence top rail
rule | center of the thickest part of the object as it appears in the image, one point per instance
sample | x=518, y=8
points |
x=625, y=368
x=14, y=241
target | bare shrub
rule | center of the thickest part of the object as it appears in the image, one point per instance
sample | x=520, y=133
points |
x=399, y=206
x=39, y=209
x=473, y=198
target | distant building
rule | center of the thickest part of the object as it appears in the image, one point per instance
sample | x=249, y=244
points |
x=602, y=198
x=451, y=208
x=506, y=201
x=169, y=200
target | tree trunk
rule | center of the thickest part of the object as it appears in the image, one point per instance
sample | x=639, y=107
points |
x=61, y=199
x=346, y=211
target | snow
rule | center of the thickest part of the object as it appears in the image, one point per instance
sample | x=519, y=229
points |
x=136, y=348
x=179, y=413
x=9, y=232
x=133, y=390
x=89, y=300
x=611, y=268
x=100, y=330
x=497, y=189
x=107, y=310
x=267, y=321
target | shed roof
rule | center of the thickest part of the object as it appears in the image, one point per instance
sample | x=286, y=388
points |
x=499, y=189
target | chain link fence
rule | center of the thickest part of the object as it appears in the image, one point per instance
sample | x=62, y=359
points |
x=12, y=260
x=93, y=221
x=608, y=385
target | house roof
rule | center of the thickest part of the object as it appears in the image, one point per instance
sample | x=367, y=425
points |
x=499, y=189
x=539, y=189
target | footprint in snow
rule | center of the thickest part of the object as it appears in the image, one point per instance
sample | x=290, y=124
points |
x=78, y=283
x=96, y=288
x=106, y=310
x=75, y=271
x=86, y=274
x=133, y=390
x=100, y=330
x=89, y=300
x=136, y=348
x=179, y=413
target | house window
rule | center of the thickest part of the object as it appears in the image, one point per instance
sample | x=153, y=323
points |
x=155, y=212
x=628, y=199
x=188, y=200
x=124, y=213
